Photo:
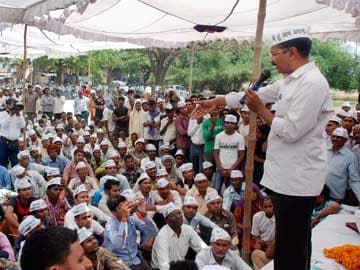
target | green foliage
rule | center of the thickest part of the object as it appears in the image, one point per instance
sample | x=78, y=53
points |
x=220, y=66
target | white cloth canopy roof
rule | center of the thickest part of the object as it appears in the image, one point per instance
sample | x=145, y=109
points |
x=41, y=42
x=169, y=23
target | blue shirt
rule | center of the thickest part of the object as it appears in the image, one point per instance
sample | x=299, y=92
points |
x=114, y=239
x=5, y=178
x=342, y=171
x=60, y=162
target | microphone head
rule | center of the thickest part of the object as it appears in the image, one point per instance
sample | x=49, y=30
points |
x=265, y=75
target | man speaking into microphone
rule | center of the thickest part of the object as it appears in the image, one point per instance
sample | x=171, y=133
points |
x=295, y=166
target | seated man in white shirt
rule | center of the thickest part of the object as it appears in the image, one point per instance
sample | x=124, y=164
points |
x=84, y=219
x=263, y=225
x=82, y=196
x=174, y=240
x=220, y=253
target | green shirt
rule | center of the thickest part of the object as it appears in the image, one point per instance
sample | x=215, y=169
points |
x=209, y=136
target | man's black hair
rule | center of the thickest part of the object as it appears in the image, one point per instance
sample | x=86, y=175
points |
x=152, y=103
x=268, y=198
x=47, y=247
x=78, y=151
x=109, y=183
x=128, y=157
x=122, y=98
x=112, y=203
x=303, y=45
x=183, y=265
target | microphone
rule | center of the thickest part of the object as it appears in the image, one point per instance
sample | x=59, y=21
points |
x=255, y=86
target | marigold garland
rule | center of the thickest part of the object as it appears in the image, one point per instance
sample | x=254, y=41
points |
x=347, y=255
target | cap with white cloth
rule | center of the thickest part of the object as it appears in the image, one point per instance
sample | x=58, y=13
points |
x=169, y=208
x=230, y=118
x=163, y=183
x=287, y=34
x=190, y=200
x=79, y=189
x=28, y=224
x=236, y=174
x=80, y=165
x=38, y=205
x=212, y=196
x=80, y=209
x=200, y=177
x=219, y=234
x=84, y=234
x=341, y=132
x=53, y=182
x=207, y=164
x=186, y=167
x=22, y=183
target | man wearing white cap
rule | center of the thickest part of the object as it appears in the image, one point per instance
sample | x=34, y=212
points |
x=57, y=205
x=84, y=219
x=39, y=209
x=19, y=206
x=151, y=151
x=167, y=125
x=348, y=122
x=220, y=253
x=346, y=106
x=70, y=169
x=187, y=170
x=342, y=170
x=193, y=218
x=235, y=192
x=229, y=152
x=295, y=166
x=99, y=256
x=28, y=226
x=174, y=239
x=83, y=179
x=333, y=123
x=199, y=191
x=164, y=195
x=221, y=217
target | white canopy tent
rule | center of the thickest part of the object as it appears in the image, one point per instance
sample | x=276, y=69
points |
x=42, y=42
x=169, y=23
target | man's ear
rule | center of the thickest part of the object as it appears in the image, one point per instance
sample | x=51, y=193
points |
x=55, y=267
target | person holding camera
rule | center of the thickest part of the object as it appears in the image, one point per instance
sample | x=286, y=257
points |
x=11, y=124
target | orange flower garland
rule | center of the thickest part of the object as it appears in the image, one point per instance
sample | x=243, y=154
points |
x=347, y=255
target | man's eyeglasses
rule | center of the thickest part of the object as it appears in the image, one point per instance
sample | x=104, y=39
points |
x=278, y=52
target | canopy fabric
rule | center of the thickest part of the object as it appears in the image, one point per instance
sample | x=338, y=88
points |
x=42, y=42
x=169, y=23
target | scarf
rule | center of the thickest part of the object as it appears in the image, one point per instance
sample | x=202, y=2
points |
x=153, y=115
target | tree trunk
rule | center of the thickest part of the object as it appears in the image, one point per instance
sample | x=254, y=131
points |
x=160, y=61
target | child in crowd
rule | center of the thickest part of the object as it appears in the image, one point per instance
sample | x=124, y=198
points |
x=263, y=225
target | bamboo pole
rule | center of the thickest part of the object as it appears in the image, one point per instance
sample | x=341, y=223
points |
x=24, y=78
x=252, y=136
x=191, y=68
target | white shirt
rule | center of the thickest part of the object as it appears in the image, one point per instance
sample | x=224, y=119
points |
x=59, y=104
x=195, y=132
x=170, y=133
x=175, y=196
x=229, y=146
x=107, y=116
x=263, y=227
x=296, y=154
x=169, y=247
x=10, y=126
x=232, y=260
x=146, y=159
x=147, y=136
x=80, y=104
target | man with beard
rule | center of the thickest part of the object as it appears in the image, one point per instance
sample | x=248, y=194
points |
x=220, y=253
x=100, y=257
x=174, y=239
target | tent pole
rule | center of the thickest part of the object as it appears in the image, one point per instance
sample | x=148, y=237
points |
x=252, y=136
x=24, y=76
x=191, y=68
